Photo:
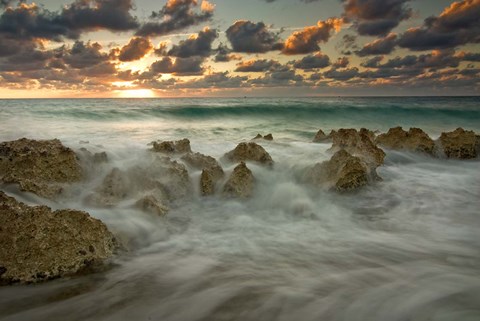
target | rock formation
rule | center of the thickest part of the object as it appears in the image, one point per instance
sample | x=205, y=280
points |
x=240, y=184
x=38, y=166
x=39, y=244
x=151, y=205
x=320, y=137
x=212, y=172
x=460, y=143
x=172, y=147
x=249, y=152
x=415, y=140
x=343, y=172
x=207, y=183
x=266, y=137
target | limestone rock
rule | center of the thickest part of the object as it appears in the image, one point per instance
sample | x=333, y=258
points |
x=38, y=166
x=114, y=188
x=200, y=162
x=151, y=205
x=266, y=137
x=415, y=140
x=259, y=136
x=460, y=143
x=249, y=152
x=320, y=137
x=343, y=172
x=241, y=183
x=207, y=183
x=172, y=147
x=39, y=244
x=358, y=143
x=95, y=158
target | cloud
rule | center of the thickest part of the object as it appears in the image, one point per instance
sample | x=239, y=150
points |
x=376, y=17
x=372, y=62
x=179, y=66
x=457, y=25
x=316, y=61
x=261, y=65
x=342, y=75
x=342, y=62
x=224, y=54
x=196, y=45
x=306, y=41
x=83, y=55
x=137, y=48
x=383, y=46
x=176, y=15
x=246, y=36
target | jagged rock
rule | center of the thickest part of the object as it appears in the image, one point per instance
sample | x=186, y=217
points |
x=96, y=158
x=259, y=136
x=369, y=133
x=320, y=137
x=114, y=188
x=207, y=183
x=343, y=172
x=268, y=137
x=241, y=183
x=358, y=143
x=39, y=244
x=249, y=152
x=415, y=140
x=200, y=162
x=460, y=143
x=172, y=147
x=152, y=205
x=38, y=166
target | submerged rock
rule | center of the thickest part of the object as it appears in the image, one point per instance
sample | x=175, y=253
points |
x=95, y=158
x=320, y=137
x=460, y=143
x=172, y=147
x=240, y=183
x=415, y=140
x=151, y=205
x=38, y=166
x=266, y=137
x=212, y=172
x=343, y=172
x=39, y=244
x=358, y=143
x=249, y=152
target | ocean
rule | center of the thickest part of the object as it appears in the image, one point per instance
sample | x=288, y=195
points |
x=405, y=248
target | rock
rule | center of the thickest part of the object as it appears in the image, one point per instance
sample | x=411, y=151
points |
x=39, y=244
x=241, y=183
x=258, y=136
x=151, y=205
x=268, y=137
x=249, y=152
x=114, y=188
x=207, y=183
x=320, y=137
x=415, y=140
x=201, y=162
x=358, y=143
x=369, y=133
x=172, y=147
x=39, y=166
x=460, y=143
x=96, y=158
x=343, y=172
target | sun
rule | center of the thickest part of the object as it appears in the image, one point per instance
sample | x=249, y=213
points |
x=136, y=93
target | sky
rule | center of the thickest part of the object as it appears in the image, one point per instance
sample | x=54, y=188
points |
x=232, y=48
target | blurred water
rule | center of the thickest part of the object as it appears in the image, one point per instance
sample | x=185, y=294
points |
x=406, y=248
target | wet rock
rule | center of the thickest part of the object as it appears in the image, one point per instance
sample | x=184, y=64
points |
x=259, y=136
x=151, y=205
x=39, y=244
x=460, y=143
x=201, y=162
x=39, y=166
x=114, y=188
x=249, y=152
x=358, y=143
x=207, y=183
x=415, y=140
x=266, y=137
x=343, y=172
x=172, y=147
x=95, y=158
x=320, y=137
x=241, y=182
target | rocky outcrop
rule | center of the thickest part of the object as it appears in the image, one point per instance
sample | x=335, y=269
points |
x=266, y=137
x=460, y=144
x=151, y=205
x=249, y=152
x=212, y=172
x=95, y=158
x=358, y=143
x=39, y=244
x=207, y=183
x=172, y=147
x=415, y=140
x=241, y=182
x=38, y=166
x=343, y=172
x=320, y=137
x=163, y=178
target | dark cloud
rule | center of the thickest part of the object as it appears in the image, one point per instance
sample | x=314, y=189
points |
x=316, y=61
x=469, y=56
x=342, y=75
x=176, y=15
x=436, y=60
x=372, y=62
x=306, y=41
x=246, y=36
x=224, y=54
x=342, y=62
x=197, y=45
x=137, y=48
x=376, y=17
x=261, y=65
x=83, y=55
x=179, y=66
x=347, y=44
x=383, y=46
x=457, y=25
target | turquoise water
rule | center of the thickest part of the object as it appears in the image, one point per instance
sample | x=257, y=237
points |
x=403, y=249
